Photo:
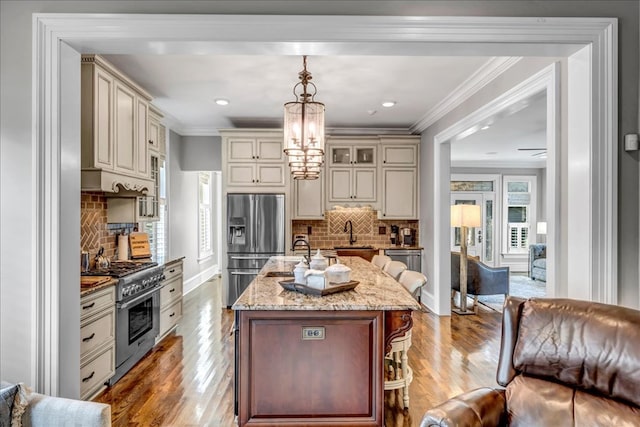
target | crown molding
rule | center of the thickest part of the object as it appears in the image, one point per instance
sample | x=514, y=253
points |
x=485, y=75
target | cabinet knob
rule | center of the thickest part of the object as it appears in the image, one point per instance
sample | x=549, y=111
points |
x=172, y=314
x=384, y=214
x=253, y=180
x=150, y=141
x=257, y=157
x=384, y=161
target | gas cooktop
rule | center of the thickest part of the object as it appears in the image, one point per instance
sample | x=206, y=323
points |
x=120, y=268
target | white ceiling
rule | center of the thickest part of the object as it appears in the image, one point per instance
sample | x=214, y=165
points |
x=351, y=87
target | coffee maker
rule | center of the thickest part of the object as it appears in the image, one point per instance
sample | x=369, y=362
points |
x=408, y=236
x=394, y=235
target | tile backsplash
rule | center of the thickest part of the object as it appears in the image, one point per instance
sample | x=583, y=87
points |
x=94, y=229
x=330, y=232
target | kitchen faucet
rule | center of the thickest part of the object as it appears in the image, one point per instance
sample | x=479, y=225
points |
x=352, y=239
x=308, y=256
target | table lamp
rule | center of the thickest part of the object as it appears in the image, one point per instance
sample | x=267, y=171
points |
x=464, y=216
x=541, y=228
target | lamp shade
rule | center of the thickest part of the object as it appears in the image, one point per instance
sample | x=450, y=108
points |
x=541, y=228
x=466, y=215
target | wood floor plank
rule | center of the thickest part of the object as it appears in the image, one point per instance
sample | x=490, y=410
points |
x=187, y=379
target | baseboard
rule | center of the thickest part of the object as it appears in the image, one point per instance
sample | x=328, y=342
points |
x=197, y=280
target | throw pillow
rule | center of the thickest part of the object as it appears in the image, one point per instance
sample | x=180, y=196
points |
x=7, y=396
x=20, y=404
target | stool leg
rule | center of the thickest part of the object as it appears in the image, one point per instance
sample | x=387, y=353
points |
x=405, y=373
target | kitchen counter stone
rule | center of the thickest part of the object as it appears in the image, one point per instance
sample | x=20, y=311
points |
x=91, y=289
x=376, y=290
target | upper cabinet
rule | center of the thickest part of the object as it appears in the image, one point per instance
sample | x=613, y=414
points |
x=254, y=159
x=400, y=177
x=156, y=132
x=114, y=130
x=352, y=155
x=352, y=175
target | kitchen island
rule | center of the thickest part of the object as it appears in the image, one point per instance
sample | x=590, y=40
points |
x=316, y=360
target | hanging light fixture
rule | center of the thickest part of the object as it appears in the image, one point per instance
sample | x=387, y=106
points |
x=304, y=129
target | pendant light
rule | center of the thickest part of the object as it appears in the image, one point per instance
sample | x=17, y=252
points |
x=304, y=129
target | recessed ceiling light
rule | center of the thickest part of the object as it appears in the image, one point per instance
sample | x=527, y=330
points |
x=222, y=101
x=371, y=112
x=388, y=104
x=485, y=127
x=492, y=153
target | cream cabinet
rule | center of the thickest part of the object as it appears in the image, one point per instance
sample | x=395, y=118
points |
x=400, y=177
x=114, y=129
x=352, y=155
x=170, y=298
x=97, y=345
x=352, y=185
x=254, y=158
x=309, y=195
x=157, y=132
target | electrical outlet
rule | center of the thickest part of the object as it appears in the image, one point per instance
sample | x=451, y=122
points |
x=309, y=230
x=382, y=229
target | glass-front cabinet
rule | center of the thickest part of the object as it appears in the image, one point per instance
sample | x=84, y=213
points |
x=363, y=155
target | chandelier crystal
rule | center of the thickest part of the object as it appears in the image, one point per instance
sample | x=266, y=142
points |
x=304, y=129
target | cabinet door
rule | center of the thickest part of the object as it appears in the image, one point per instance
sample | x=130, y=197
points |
x=154, y=134
x=400, y=193
x=309, y=198
x=103, y=120
x=364, y=185
x=364, y=156
x=340, y=185
x=142, y=143
x=269, y=174
x=269, y=150
x=399, y=155
x=125, y=129
x=340, y=155
x=241, y=150
x=162, y=137
x=241, y=174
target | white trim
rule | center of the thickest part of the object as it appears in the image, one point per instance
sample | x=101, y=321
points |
x=483, y=76
x=197, y=280
x=313, y=35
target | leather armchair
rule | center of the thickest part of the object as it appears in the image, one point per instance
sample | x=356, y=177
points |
x=563, y=363
x=481, y=279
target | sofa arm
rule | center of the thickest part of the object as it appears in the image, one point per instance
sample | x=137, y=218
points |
x=57, y=411
x=480, y=407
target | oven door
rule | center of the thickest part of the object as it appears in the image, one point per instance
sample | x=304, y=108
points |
x=138, y=321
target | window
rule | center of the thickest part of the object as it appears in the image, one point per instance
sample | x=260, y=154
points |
x=519, y=203
x=205, y=244
x=157, y=230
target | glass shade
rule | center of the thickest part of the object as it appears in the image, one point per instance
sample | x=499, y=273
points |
x=304, y=128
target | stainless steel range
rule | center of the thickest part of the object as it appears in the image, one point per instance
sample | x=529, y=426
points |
x=137, y=310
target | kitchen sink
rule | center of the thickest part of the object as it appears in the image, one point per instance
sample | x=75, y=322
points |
x=279, y=274
x=353, y=247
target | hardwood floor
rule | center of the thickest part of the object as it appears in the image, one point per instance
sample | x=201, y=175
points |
x=187, y=379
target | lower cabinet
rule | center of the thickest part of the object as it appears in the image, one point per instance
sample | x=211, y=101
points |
x=97, y=345
x=171, y=298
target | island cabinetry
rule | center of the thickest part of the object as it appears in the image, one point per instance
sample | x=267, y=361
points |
x=97, y=345
x=399, y=175
x=254, y=158
x=170, y=298
x=311, y=368
x=114, y=129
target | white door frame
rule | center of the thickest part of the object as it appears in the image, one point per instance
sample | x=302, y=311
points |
x=313, y=35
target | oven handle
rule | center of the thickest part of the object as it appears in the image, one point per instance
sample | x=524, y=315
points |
x=138, y=298
x=250, y=257
x=244, y=273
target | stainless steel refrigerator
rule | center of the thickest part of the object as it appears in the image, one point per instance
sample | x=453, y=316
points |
x=255, y=232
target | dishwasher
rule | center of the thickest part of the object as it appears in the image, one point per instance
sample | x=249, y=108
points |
x=411, y=257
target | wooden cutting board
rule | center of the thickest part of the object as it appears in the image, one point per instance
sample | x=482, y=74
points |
x=139, y=244
x=90, y=281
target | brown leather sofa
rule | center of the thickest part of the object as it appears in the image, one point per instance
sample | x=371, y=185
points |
x=563, y=363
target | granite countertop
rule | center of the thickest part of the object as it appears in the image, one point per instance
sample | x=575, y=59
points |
x=376, y=290
x=89, y=289
x=374, y=247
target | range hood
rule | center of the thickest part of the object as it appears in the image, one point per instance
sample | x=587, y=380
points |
x=113, y=182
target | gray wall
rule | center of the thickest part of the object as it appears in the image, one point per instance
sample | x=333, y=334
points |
x=201, y=153
x=17, y=215
x=183, y=217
